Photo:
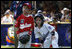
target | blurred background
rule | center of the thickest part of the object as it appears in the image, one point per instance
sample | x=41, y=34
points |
x=53, y=11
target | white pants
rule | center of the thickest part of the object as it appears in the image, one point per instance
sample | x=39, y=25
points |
x=55, y=41
x=49, y=41
x=27, y=45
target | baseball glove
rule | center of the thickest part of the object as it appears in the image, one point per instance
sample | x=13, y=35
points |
x=24, y=38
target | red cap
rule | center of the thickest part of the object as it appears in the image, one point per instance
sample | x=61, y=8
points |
x=29, y=6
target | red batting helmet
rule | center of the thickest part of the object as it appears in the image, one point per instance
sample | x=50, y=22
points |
x=28, y=4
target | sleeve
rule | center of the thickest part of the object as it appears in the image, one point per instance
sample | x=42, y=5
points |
x=36, y=33
x=17, y=22
x=32, y=26
x=32, y=22
x=17, y=32
x=50, y=28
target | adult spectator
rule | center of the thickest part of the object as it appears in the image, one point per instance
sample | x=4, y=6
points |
x=7, y=18
x=65, y=15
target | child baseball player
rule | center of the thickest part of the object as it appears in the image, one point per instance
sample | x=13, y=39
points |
x=45, y=32
x=24, y=25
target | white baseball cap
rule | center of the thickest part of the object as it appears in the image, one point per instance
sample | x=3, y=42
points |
x=65, y=9
x=7, y=11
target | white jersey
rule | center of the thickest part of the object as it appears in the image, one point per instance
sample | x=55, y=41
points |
x=7, y=20
x=43, y=30
x=39, y=33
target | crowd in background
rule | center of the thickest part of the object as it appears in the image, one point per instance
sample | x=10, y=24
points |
x=58, y=11
x=4, y=6
x=62, y=16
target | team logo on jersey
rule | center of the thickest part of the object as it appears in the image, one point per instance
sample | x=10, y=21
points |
x=22, y=26
x=49, y=27
x=22, y=21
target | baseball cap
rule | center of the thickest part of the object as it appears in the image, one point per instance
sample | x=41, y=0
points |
x=7, y=12
x=66, y=9
x=28, y=4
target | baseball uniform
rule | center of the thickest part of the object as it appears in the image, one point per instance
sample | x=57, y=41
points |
x=40, y=33
x=24, y=23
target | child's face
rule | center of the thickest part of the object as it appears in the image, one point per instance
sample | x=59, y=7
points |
x=38, y=21
x=25, y=9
